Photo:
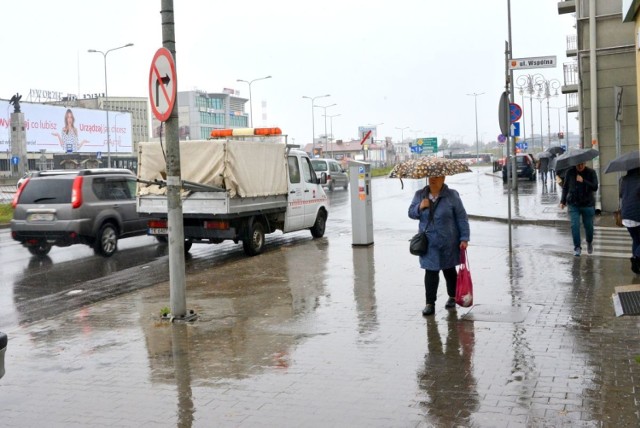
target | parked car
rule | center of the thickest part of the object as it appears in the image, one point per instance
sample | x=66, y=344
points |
x=525, y=167
x=95, y=207
x=336, y=175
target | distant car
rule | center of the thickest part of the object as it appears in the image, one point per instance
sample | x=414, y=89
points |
x=525, y=167
x=95, y=207
x=336, y=175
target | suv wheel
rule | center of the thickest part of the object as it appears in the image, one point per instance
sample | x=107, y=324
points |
x=106, y=242
x=42, y=249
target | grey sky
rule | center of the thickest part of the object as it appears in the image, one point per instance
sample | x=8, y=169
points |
x=406, y=63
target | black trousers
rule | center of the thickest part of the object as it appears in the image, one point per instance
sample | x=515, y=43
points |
x=432, y=280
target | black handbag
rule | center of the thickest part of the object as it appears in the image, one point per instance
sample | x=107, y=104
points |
x=419, y=243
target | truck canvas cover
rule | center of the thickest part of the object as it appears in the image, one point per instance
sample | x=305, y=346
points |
x=243, y=168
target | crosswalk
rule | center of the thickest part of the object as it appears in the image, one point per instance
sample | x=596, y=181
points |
x=613, y=242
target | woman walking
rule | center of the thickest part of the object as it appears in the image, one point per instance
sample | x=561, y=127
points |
x=443, y=218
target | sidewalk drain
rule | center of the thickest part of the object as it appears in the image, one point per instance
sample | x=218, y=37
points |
x=626, y=300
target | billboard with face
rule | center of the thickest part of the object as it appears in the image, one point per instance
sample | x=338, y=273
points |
x=58, y=129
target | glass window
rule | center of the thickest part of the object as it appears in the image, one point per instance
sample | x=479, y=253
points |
x=306, y=170
x=47, y=191
x=319, y=165
x=294, y=169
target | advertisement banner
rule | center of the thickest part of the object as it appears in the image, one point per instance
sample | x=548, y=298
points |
x=59, y=129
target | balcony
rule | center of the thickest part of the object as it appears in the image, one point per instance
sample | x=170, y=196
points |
x=572, y=45
x=571, y=79
x=567, y=6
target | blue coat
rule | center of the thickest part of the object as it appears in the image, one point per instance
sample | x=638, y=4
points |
x=450, y=225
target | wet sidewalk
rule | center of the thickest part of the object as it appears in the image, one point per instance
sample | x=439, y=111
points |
x=322, y=334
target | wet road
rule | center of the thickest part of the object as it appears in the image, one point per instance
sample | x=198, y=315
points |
x=35, y=288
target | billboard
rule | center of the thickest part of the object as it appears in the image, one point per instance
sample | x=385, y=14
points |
x=45, y=129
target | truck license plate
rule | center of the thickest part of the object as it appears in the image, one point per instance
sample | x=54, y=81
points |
x=158, y=231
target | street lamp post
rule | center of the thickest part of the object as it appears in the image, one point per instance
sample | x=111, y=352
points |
x=475, y=103
x=527, y=83
x=106, y=94
x=249, y=82
x=545, y=86
x=115, y=126
x=313, y=127
x=326, y=138
x=331, y=130
x=402, y=138
x=375, y=125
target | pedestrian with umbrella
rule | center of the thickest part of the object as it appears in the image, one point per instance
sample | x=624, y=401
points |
x=578, y=188
x=443, y=218
x=630, y=200
x=543, y=165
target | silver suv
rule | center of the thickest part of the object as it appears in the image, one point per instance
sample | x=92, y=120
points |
x=95, y=207
x=336, y=175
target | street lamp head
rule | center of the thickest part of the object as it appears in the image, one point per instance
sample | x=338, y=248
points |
x=128, y=44
x=92, y=50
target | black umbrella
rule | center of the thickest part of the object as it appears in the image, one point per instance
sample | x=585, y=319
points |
x=574, y=157
x=555, y=150
x=625, y=162
x=545, y=155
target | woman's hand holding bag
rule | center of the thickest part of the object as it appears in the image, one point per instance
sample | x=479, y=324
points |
x=464, y=285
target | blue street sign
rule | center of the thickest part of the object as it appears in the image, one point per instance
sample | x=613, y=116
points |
x=522, y=146
x=515, y=112
x=515, y=129
x=416, y=149
x=15, y=160
x=98, y=155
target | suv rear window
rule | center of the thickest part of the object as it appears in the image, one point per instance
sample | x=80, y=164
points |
x=319, y=165
x=47, y=191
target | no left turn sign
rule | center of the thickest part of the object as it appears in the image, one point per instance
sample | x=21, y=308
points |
x=162, y=84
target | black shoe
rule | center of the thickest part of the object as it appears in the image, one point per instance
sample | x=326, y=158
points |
x=635, y=265
x=430, y=309
x=451, y=303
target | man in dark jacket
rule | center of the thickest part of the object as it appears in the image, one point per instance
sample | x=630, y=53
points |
x=578, y=189
x=630, y=210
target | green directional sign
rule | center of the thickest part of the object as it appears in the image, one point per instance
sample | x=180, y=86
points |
x=428, y=144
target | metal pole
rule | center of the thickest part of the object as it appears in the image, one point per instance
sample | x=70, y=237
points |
x=313, y=125
x=106, y=108
x=249, y=82
x=548, y=123
x=106, y=93
x=475, y=103
x=177, y=282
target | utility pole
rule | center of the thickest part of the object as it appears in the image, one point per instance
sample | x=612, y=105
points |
x=177, y=280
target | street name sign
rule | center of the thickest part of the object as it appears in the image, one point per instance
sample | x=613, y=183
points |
x=163, y=85
x=533, y=62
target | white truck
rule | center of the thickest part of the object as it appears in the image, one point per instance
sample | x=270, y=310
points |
x=237, y=187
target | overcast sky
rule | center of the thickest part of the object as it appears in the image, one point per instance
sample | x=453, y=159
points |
x=403, y=63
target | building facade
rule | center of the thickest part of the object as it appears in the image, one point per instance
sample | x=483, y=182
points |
x=201, y=112
x=603, y=76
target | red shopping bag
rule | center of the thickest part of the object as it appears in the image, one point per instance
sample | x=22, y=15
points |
x=464, y=285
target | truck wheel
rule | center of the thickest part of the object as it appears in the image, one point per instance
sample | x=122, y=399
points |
x=317, y=230
x=161, y=239
x=42, y=249
x=253, y=242
x=106, y=242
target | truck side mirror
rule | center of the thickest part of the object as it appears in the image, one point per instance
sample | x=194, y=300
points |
x=323, y=178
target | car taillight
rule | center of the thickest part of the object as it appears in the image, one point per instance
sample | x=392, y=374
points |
x=157, y=224
x=14, y=202
x=76, y=193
